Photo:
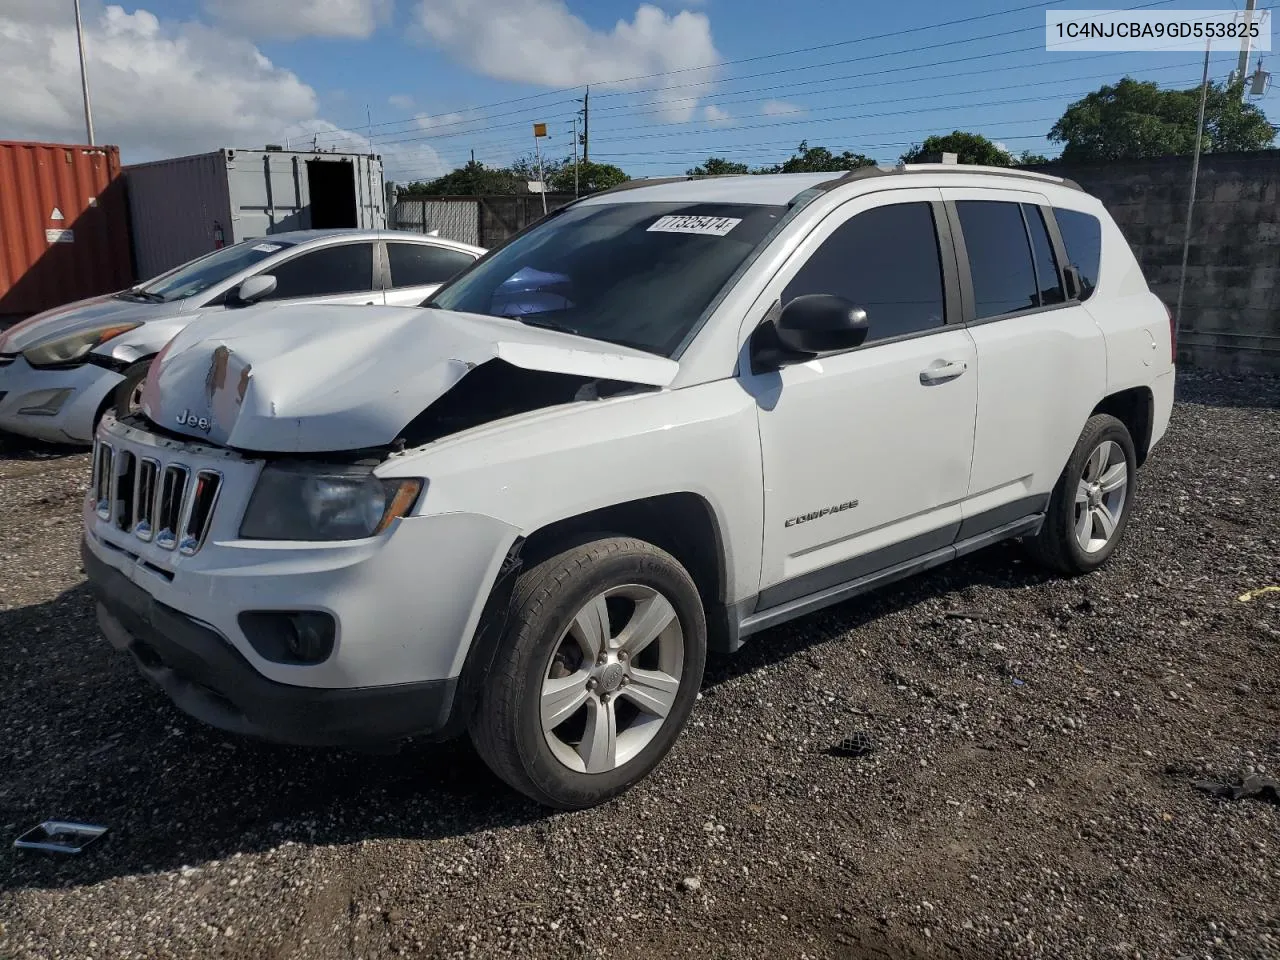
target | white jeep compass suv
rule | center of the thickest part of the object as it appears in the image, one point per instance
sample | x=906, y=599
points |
x=660, y=421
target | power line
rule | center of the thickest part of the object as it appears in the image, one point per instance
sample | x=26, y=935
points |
x=785, y=53
x=1013, y=86
x=721, y=131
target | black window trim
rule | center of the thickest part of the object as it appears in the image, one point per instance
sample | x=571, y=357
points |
x=1035, y=260
x=374, y=277
x=1060, y=248
x=947, y=263
x=966, y=274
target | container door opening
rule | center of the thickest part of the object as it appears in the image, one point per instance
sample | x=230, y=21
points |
x=332, y=186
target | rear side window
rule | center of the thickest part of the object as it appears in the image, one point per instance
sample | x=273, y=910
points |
x=417, y=264
x=1082, y=236
x=1004, y=277
x=346, y=268
x=1046, y=263
x=886, y=261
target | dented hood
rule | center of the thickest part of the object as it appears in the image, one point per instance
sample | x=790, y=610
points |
x=312, y=378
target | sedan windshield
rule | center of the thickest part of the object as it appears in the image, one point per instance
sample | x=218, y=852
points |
x=636, y=274
x=199, y=275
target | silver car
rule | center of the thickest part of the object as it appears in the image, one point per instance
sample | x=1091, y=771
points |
x=61, y=369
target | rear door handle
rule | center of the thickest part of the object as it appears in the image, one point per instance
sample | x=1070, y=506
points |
x=940, y=371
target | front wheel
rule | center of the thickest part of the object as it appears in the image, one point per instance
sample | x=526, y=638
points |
x=127, y=398
x=597, y=674
x=1089, y=507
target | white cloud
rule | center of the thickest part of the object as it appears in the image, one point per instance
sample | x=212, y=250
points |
x=778, y=108
x=427, y=121
x=301, y=18
x=401, y=101
x=542, y=42
x=714, y=114
x=1002, y=147
x=159, y=89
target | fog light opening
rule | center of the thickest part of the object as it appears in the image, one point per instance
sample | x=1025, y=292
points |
x=296, y=637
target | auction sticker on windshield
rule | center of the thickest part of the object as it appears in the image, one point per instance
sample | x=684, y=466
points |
x=266, y=247
x=708, y=226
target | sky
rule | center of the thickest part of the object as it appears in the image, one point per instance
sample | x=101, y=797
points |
x=672, y=81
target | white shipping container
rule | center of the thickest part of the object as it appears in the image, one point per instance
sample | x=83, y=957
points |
x=185, y=207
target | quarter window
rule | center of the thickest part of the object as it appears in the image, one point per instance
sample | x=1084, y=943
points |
x=1082, y=236
x=886, y=261
x=346, y=268
x=1004, y=277
x=1047, y=276
x=418, y=264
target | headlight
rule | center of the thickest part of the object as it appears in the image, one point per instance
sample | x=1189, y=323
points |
x=307, y=501
x=73, y=347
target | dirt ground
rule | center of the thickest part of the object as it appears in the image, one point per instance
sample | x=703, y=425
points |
x=1031, y=793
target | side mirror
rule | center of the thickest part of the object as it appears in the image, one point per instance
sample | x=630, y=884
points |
x=821, y=323
x=255, y=288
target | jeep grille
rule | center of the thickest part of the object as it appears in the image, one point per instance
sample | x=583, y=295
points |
x=167, y=503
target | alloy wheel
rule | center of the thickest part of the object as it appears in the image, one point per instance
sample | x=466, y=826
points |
x=612, y=679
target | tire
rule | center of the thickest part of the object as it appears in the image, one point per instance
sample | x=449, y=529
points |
x=122, y=398
x=546, y=650
x=1059, y=544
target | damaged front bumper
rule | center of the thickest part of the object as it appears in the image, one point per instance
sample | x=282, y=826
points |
x=206, y=677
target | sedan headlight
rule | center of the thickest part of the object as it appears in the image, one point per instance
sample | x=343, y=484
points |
x=73, y=347
x=307, y=501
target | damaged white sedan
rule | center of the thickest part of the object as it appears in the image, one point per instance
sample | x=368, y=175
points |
x=662, y=420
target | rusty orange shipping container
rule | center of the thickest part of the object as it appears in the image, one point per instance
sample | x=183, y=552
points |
x=64, y=231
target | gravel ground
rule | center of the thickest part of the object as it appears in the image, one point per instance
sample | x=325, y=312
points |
x=1031, y=793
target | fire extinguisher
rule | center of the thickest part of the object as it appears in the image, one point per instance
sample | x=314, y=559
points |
x=217, y=236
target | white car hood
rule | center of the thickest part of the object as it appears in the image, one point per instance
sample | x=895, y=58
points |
x=314, y=378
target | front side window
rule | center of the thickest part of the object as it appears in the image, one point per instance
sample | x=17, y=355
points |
x=639, y=274
x=1082, y=236
x=886, y=261
x=1004, y=276
x=199, y=275
x=419, y=264
x=345, y=268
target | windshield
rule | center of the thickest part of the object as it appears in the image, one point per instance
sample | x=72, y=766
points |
x=636, y=274
x=199, y=275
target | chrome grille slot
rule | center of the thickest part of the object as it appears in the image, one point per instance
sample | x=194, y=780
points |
x=173, y=488
x=198, y=511
x=144, y=498
x=103, y=461
x=126, y=477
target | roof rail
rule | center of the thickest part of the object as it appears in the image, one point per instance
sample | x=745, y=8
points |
x=863, y=173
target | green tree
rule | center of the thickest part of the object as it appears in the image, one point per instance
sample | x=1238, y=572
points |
x=471, y=179
x=968, y=147
x=592, y=177
x=809, y=159
x=717, y=167
x=1135, y=119
x=1029, y=159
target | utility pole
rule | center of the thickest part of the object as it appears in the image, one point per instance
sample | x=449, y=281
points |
x=540, y=131
x=575, y=157
x=84, y=77
x=1191, y=200
x=586, y=126
x=1246, y=45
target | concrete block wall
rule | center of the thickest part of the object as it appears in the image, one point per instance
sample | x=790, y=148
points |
x=1231, y=308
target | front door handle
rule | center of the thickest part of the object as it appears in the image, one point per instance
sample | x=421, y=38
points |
x=940, y=371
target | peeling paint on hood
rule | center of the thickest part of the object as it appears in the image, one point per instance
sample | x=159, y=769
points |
x=309, y=378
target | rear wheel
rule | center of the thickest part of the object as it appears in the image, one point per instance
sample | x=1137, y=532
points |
x=1089, y=507
x=597, y=674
